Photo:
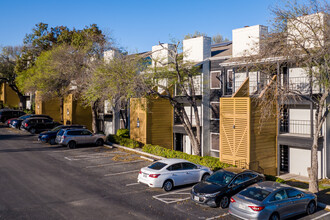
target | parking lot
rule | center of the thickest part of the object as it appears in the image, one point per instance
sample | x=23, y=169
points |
x=118, y=171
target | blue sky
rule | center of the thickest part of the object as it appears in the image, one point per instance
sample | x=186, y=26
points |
x=136, y=25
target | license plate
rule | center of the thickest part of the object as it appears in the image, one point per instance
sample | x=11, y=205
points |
x=241, y=206
x=196, y=198
x=145, y=175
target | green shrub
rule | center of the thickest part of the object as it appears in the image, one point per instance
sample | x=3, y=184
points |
x=207, y=161
x=123, y=133
x=123, y=141
x=274, y=178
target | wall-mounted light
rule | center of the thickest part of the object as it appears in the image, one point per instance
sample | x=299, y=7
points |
x=38, y=106
x=67, y=112
x=233, y=126
x=137, y=123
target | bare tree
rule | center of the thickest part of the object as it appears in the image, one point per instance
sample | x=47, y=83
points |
x=300, y=37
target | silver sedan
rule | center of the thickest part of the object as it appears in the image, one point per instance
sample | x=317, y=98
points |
x=271, y=200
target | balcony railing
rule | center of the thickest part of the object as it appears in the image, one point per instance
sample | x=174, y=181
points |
x=295, y=126
x=301, y=84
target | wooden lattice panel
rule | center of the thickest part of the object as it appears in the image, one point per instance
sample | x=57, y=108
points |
x=235, y=130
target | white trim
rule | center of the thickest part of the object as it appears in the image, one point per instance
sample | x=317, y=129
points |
x=211, y=142
x=217, y=71
x=211, y=112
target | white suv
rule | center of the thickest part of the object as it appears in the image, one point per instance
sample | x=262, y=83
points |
x=73, y=137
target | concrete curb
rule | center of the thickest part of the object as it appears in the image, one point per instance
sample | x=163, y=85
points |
x=323, y=206
x=135, y=151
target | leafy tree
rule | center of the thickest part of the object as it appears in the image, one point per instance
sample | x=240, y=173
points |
x=8, y=60
x=299, y=37
x=182, y=75
x=216, y=39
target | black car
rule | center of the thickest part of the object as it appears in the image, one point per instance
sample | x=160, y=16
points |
x=16, y=123
x=36, y=125
x=6, y=114
x=218, y=188
x=49, y=136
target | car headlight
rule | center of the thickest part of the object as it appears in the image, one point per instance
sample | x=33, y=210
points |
x=213, y=194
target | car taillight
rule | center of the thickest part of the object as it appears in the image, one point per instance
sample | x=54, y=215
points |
x=257, y=208
x=64, y=137
x=232, y=200
x=140, y=172
x=154, y=175
x=25, y=125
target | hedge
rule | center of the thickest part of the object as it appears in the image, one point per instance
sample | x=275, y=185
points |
x=123, y=141
x=211, y=162
x=274, y=178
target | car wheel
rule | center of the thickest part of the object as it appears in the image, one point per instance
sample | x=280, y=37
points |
x=274, y=216
x=224, y=202
x=205, y=176
x=168, y=185
x=72, y=144
x=52, y=141
x=311, y=208
x=32, y=130
x=99, y=142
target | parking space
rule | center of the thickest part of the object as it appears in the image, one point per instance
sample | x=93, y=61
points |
x=121, y=168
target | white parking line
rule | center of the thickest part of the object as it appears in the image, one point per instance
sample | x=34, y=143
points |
x=321, y=216
x=132, y=184
x=169, y=200
x=113, y=164
x=70, y=158
x=113, y=174
x=219, y=216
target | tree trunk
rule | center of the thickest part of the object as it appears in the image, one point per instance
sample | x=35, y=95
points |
x=94, y=117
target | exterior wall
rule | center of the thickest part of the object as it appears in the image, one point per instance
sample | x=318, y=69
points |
x=161, y=54
x=51, y=107
x=197, y=49
x=160, y=123
x=300, y=159
x=299, y=121
x=246, y=40
x=8, y=96
x=263, y=142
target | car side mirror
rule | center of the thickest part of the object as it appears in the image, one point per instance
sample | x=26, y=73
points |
x=300, y=195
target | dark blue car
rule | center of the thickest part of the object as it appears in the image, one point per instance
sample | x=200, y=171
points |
x=49, y=136
x=17, y=122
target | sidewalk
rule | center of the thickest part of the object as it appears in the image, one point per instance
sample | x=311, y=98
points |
x=323, y=196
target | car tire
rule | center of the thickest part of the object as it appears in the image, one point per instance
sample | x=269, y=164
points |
x=72, y=145
x=204, y=177
x=274, y=216
x=52, y=141
x=224, y=202
x=99, y=142
x=32, y=130
x=311, y=208
x=168, y=185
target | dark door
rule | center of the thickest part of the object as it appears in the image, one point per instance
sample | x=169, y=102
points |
x=178, y=142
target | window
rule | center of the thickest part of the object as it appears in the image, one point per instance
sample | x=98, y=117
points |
x=255, y=193
x=188, y=166
x=74, y=133
x=250, y=175
x=239, y=179
x=157, y=165
x=280, y=195
x=292, y=193
x=175, y=167
x=215, y=142
x=85, y=132
x=215, y=80
x=215, y=110
x=229, y=78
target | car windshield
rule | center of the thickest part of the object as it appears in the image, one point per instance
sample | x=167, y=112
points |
x=220, y=177
x=255, y=193
x=157, y=165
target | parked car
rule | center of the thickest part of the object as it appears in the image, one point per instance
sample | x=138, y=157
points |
x=271, y=200
x=6, y=114
x=38, y=124
x=218, y=188
x=73, y=137
x=50, y=136
x=16, y=123
x=169, y=173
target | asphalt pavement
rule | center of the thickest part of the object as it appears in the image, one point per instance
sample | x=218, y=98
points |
x=39, y=181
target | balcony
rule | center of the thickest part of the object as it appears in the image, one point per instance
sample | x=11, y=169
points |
x=300, y=127
x=301, y=84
